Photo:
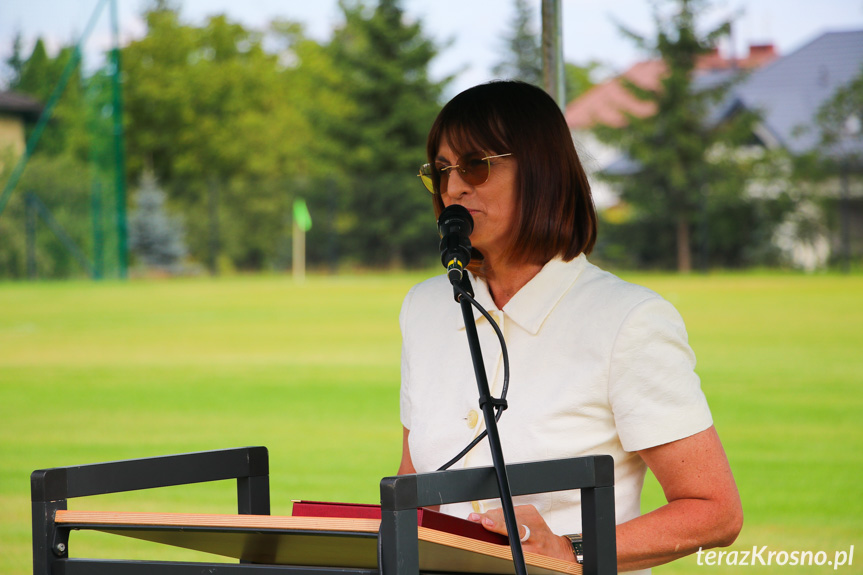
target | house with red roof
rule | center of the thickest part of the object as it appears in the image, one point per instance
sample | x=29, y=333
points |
x=609, y=103
x=786, y=91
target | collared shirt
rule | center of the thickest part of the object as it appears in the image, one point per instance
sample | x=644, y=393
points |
x=598, y=366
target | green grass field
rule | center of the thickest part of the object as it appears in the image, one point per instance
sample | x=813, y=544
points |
x=102, y=371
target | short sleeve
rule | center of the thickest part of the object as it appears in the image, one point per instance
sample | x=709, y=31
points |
x=654, y=392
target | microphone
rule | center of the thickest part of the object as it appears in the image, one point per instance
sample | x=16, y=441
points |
x=455, y=224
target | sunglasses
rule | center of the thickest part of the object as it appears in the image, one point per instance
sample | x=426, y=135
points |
x=473, y=168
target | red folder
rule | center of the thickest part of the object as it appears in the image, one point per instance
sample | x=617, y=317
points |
x=425, y=518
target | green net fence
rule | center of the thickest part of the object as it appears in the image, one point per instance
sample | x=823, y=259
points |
x=63, y=201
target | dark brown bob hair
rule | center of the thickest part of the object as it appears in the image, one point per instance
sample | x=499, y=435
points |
x=556, y=216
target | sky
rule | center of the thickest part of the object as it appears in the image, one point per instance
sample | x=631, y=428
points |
x=470, y=32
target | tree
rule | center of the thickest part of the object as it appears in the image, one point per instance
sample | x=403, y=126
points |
x=839, y=122
x=35, y=75
x=579, y=79
x=379, y=135
x=217, y=117
x=39, y=76
x=840, y=151
x=59, y=199
x=236, y=123
x=202, y=100
x=154, y=236
x=523, y=53
x=522, y=58
x=685, y=162
x=81, y=104
x=15, y=62
x=61, y=188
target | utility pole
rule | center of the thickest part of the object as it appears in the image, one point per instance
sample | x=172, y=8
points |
x=552, y=51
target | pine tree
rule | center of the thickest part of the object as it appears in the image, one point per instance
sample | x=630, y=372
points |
x=680, y=154
x=154, y=236
x=37, y=75
x=523, y=56
x=523, y=53
x=383, y=62
x=14, y=63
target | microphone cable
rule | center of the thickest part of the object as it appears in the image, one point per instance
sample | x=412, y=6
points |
x=500, y=406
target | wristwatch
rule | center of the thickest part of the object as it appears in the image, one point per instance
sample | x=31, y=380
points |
x=577, y=546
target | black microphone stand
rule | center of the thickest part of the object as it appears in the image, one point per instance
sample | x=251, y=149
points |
x=487, y=404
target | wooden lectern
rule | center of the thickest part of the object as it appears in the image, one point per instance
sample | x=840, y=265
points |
x=303, y=545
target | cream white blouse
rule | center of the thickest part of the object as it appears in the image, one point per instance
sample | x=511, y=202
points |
x=598, y=366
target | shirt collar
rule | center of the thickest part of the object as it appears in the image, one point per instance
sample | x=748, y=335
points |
x=529, y=307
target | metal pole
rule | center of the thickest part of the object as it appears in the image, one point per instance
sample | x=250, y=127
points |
x=30, y=227
x=119, y=148
x=299, y=255
x=844, y=223
x=98, y=232
x=494, y=442
x=213, y=216
x=705, y=228
x=552, y=51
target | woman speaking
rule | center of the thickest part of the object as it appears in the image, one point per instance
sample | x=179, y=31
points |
x=598, y=365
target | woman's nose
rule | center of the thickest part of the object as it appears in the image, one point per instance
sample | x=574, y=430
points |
x=456, y=186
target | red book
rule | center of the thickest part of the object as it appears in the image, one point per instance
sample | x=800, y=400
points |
x=425, y=518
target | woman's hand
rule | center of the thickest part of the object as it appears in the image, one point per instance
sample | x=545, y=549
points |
x=541, y=539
